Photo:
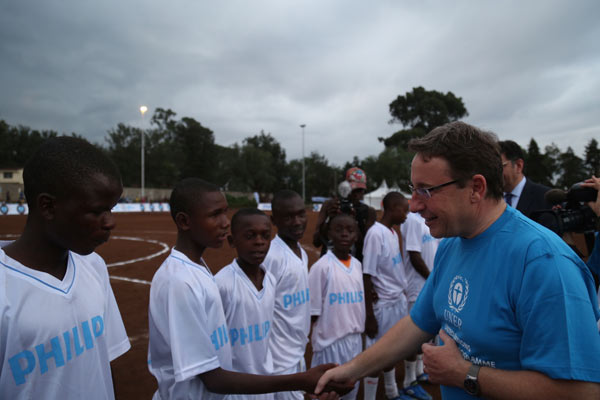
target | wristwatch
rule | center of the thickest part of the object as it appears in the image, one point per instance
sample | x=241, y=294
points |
x=471, y=383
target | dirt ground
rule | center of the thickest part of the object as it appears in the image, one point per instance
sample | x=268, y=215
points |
x=138, y=237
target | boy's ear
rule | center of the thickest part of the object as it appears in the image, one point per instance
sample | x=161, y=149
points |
x=230, y=241
x=46, y=204
x=182, y=220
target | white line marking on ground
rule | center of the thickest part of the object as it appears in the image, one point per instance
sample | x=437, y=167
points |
x=165, y=248
x=123, y=278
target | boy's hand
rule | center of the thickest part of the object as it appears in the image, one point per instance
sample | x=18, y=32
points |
x=314, y=374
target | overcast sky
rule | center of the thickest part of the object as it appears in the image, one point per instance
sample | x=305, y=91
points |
x=523, y=69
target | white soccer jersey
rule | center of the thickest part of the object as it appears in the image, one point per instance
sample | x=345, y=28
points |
x=416, y=237
x=337, y=297
x=249, y=315
x=57, y=337
x=383, y=261
x=188, y=331
x=291, y=322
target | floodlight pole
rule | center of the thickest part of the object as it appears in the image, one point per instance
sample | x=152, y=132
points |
x=143, y=110
x=303, y=166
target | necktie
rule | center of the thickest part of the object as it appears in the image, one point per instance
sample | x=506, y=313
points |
x=508, y=198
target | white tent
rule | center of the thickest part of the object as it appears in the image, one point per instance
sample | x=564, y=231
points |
x=375, y=198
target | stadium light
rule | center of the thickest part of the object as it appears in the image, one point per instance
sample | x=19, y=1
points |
x=143, y=110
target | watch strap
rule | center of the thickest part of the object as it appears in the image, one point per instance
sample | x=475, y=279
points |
x=473, y=371
x=471, y=384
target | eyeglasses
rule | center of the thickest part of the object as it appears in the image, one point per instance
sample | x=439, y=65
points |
x=426, y=192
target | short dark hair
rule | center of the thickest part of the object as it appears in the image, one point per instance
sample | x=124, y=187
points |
x=245, y=212
x=186, y=194
x=511, y=150
x=340, y=215
x=392, y=198
x=62, y=164
x=281, y=196
x=468, y=150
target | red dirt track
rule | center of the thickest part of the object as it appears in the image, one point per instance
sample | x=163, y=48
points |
x=130, y=371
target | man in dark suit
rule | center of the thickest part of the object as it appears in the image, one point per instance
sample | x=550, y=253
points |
x=520, y=192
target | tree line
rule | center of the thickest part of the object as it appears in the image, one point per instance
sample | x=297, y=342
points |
x=177, y=148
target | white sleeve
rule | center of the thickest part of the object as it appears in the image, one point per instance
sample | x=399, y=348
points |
x=371, y=251
x=191, y=346
x=317, y=281
x=414, y=235
x=274, y=263
x=224, y=281
x=117, y=341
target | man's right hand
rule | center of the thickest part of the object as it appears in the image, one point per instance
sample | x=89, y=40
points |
x=335, y=379
x=313, y=374
x=594, y=182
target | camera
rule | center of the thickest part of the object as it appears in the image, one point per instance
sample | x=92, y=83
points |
x=573, y=215
x=344, y=189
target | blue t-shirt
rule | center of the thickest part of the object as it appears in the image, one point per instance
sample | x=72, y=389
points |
x=515, y=297
x=594, y=259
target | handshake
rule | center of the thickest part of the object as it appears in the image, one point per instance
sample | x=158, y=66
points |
x=331, y=390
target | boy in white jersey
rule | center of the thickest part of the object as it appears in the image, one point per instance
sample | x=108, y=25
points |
x=190, y=343
x=419, y=250
x=385, y=284
x=59, y=323
x=337, y=298
x=287, y=261
x=248, y=295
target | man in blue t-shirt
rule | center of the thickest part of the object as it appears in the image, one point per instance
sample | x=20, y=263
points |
x=514, y=306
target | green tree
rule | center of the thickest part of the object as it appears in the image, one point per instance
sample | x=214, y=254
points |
x=195, y=146
x=321, y=178
x=426, y=109
x=571, y=169
x=420, y=111
x=551, y=162
x=124, y=147
x=536, y=165
x=17, y=144
x=174, y=149
x=260, y=165
x=592, y=158
x=402, y=137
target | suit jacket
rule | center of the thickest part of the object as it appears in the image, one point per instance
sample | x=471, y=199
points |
x=532, y=198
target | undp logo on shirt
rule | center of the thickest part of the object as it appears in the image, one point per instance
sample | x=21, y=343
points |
x=458, y=293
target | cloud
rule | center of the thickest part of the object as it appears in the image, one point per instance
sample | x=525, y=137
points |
x=523, y=69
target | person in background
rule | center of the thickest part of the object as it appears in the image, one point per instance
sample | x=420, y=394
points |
x=337, y=299
x=519, y=192
x=365, y=215
x=385, y=286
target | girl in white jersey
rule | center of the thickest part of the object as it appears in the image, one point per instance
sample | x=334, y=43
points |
x=337, y=298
